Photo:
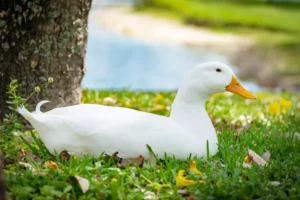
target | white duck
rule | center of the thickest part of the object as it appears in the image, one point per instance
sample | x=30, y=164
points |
x=93, y=129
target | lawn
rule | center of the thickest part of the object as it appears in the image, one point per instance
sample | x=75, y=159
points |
x=268, y=124
x=229, y=15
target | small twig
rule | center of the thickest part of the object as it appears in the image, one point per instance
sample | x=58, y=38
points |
x=142, y=176
x=32, y=93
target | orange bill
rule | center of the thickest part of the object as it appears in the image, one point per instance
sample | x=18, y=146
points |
x=237, y=88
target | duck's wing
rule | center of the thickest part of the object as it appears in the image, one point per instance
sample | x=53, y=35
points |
x=89, y=119
x=126, y=131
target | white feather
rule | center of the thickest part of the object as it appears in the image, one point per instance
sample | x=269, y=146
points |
x=38, y=106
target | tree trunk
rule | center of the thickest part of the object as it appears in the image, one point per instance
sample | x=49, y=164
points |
x=41, y=39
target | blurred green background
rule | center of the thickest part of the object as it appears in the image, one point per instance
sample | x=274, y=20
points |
x=275, y=26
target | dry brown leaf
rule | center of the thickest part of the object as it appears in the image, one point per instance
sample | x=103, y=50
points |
x=248, y=159
x=84, y=183
x=51, y=165
x=27, y=165
x=27, y=155
x=130, y=161
x=64, y=155
x=21, y=155
x=217, y=163
x=256, y=158
x=114, y=156
x=125, y=162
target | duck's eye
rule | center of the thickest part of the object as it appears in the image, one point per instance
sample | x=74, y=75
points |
x=218, y=70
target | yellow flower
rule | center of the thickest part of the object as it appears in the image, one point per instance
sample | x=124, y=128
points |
x=193, y=167
x=285, y=103
x=260, y=95
x=51, y=165
x=158, y=98
x=158, y=107
x=181, y=181
x=248, y=159
x=127, y=104
x=274, y=108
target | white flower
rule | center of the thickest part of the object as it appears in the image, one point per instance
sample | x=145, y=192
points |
x=50, y=80
x=37, y=89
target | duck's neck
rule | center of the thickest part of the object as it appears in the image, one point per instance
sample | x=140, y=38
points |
x=188, y=110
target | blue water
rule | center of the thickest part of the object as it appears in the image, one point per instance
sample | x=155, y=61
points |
x=115, y=61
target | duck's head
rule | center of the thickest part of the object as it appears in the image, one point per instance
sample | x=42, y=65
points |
x=214, y=77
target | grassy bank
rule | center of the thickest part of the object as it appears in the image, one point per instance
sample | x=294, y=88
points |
x=267, y=124
x=276, y=27
x=236, y=16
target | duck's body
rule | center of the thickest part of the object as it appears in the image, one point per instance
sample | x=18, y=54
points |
x=89, y=129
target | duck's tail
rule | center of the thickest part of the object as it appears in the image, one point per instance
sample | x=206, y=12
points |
x=28, y=115
x=39, y=105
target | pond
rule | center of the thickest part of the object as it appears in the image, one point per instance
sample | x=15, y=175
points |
x=115, y=61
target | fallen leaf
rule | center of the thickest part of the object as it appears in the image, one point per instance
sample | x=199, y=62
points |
x=256, y=158
x=285, y=103
x=21, y=155
x=27, y=165
x=64, y=155
x=27, y=155
x=125, y=162
x=266, y=156
x=181, y=181
x=246, y=165
x=158, y=98
x=248, y=159
x=31, y=156
x=83, y=183
x=51, y=165
x=182, y=191
x=158, y=107
x=114, y=157
x=274, y=108
x=193, y=167
x=109, y=100
x=149, y=195
x=274, y=183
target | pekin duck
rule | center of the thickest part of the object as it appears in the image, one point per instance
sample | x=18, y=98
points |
x=90, y=129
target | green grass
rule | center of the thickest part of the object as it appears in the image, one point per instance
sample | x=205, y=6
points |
x=231, y=14
x=241, y=124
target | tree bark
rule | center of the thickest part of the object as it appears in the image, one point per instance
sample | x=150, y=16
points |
x=41, y=39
